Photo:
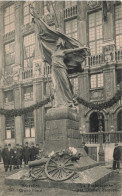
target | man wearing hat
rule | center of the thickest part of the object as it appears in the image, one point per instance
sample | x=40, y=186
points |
x=37, y=150
x=21, y=154
x=32, y=152
x=26, y=153
x=16, y=157
x=11, y=156
x=5, y=157
x=116, y=157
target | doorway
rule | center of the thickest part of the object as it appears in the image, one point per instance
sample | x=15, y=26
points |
x=94, y=122
x=119, y=121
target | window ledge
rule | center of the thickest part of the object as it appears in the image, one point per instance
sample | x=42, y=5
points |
x=9, y=103
x=97, y=88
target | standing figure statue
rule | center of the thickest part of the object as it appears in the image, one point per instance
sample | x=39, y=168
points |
x=65, y=55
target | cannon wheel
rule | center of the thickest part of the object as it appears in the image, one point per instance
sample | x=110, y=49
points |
x=38, y=172
x=59, y=167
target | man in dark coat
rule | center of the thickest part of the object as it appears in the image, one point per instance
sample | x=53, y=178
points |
x=16, y=157
x=116, y=157
x=5, y=157
x=85, y=147
x=26, y=153
x=21, y=154
x=37, y=150
x=11, y=156
x=32, y=152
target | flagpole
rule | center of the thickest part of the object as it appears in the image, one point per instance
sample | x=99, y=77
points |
x=55, y=13
x=43, y=58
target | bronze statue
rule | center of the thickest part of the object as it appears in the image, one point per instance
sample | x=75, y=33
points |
x=65, y=55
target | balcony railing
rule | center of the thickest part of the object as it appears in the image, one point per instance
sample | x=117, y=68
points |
x=28, y=73
x=70, y=12
x=42, y=71
x=108, y=137
x=100, y=59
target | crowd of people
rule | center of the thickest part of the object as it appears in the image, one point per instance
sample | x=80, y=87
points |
x=13, y=157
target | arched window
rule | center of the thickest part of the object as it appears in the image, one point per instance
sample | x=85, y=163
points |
x=29, y=125
x=119, y=121
x=94, y=122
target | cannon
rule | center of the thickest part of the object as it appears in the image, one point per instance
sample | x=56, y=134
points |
x=58, y=167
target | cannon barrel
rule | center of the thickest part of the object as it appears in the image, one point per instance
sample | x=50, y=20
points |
x=37, y=162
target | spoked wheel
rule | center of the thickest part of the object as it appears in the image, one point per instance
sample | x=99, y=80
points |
x=59, y=167
x=38, y=172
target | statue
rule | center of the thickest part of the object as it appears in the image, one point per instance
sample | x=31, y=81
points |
x=65, y=55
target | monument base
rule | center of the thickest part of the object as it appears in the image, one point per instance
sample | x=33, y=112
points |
x=62, y=129
x=84, y=180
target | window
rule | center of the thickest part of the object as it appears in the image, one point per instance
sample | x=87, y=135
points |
x=95, y=32
x=9, y=19
x=48, y=7
x=26, y=12
x=96, y=80
x=8, y=96
x=118, y=26
x=29, y=50
x=10, y=127
x=69, y=4
x=29, y=125
x=71, y=28
x=28, y=93
x=10, y=53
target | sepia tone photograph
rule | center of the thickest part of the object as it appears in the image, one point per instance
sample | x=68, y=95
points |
x=61, y=98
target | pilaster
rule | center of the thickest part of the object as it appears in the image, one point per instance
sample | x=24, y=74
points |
x=1, y=43
x=39, y=113
x=109, y=81
x=2, y=120
x=81, y=9
x=18, y=36
x=19, y=129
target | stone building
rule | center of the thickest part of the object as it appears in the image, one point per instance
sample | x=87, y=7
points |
x=23, y=74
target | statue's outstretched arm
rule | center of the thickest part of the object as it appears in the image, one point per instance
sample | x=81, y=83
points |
x=68, y=51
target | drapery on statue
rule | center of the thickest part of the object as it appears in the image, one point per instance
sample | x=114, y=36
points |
x=65, y=55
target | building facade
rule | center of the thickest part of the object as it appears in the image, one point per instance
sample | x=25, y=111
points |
x=23, y=74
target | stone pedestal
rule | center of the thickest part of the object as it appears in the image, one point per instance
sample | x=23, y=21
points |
x=62, y=129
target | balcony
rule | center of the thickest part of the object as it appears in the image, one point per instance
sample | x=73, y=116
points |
x=27, y=73
x=101, y=59
x=70, y=12
x=42, y=71
x=108, y=137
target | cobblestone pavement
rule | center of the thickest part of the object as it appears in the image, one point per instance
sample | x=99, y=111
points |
x=113, y=187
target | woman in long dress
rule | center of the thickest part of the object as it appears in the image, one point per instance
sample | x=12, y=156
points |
x=65, y=55
x=63, y=92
